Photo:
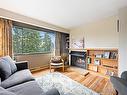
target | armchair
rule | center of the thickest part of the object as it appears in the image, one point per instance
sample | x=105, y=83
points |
x=120, y=84
x=56, y=62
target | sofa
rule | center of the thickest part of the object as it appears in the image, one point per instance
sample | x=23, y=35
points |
x=120, y=84
x=16, y=79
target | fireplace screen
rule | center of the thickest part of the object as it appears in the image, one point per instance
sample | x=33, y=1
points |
x=78, y=59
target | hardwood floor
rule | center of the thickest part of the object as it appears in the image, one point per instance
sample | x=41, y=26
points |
x=94, y=81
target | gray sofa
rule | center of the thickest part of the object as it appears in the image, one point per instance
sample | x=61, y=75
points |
x=120, y=84
x=16, y=79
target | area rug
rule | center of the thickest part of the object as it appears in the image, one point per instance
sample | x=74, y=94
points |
x=64, y=84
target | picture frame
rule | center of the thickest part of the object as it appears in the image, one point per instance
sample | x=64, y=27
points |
x=106, y=55
x=96, y=61
x=110, y=73
x=113, y=55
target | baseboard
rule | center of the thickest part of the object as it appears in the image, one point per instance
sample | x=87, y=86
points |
x=38, y=68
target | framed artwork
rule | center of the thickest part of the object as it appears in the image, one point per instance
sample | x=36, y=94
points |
x=78, y=43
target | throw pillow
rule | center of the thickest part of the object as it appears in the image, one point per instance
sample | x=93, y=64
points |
x=5, y=69
x=11, y=63
x=56, y=59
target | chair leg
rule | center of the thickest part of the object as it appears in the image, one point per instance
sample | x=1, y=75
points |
x=63, y=68
x=50, y=68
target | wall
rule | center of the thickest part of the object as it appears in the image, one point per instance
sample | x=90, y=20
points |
x=100, y=34
x=24, y=19
x=35, y=60
x=123, y=40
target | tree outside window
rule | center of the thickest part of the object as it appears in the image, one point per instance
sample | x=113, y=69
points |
x=27, y=41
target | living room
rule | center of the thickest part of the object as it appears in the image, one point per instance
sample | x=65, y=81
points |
x=49, y=49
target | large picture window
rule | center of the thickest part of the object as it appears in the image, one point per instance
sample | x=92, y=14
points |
x=28, y=40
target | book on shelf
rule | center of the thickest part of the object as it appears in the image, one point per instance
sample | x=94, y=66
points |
x=113, y=55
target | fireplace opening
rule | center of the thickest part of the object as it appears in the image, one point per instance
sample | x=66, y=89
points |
x=78, y=58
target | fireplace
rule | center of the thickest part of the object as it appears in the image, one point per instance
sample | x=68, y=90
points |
x=78, y=58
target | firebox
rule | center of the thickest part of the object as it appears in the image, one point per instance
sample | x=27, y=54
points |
x=78, y=58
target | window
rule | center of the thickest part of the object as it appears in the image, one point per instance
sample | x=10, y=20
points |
x=28, y=40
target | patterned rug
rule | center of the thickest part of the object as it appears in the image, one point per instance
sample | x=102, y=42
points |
x=64, y=84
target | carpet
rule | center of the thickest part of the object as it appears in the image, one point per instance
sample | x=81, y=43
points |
x=64, y=84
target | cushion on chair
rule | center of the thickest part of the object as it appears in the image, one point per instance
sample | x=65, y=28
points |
x=56, y=64
x=17, y=78
x=5, y=69
x=56, y=59
x=11, y=63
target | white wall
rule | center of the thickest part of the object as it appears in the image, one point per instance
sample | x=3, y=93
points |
x=100, y=34
x=123, y=40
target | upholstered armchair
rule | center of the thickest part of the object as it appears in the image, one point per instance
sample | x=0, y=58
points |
x=120, y=84
x=56, y=62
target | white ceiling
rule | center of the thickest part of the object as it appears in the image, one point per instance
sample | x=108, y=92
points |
x=65, y=13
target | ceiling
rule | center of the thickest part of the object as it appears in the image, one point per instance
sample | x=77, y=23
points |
x=65, y=13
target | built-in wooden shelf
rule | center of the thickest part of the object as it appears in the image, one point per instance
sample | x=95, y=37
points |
x=104, y=61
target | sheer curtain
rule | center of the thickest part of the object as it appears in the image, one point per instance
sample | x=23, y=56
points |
x=5, y=37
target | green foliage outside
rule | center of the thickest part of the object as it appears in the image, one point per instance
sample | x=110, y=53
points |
x=27, y=40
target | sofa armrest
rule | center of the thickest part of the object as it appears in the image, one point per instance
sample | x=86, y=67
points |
x=21, y=65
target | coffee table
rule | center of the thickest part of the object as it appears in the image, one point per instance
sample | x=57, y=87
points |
x=64, y=84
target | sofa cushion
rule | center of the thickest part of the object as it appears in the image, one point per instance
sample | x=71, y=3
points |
x=17, y=78
x=5, y=92
x=11, y=63
x=5, y=69
x=1, y=89
x=27, y=88
x=53, y=91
